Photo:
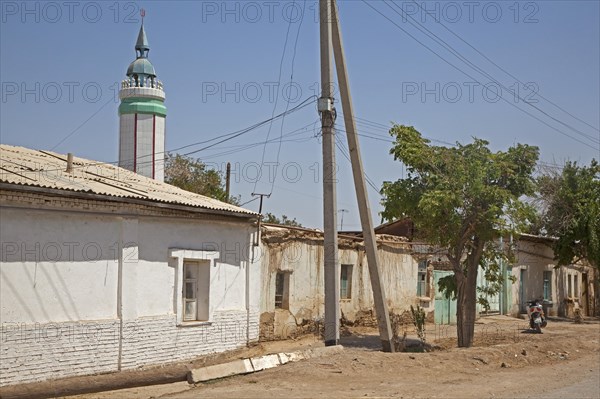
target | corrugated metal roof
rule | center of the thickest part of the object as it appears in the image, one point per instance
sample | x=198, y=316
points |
x=36, y=168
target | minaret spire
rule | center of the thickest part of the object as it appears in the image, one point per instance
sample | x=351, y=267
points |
x=141, y=46
x=142, y=115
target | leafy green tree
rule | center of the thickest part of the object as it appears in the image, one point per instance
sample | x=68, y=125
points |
x=461, y=198
x=285, y=221
x=570, y=204
x=192, y=175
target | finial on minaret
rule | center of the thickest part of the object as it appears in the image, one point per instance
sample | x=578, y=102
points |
x=141, y=45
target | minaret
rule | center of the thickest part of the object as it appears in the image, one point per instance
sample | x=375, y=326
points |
x=142, y=116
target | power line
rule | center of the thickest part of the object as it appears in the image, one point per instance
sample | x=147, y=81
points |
x=457, y=54
x=247, y=202
x=340, y=145
x=229, y=136
x=466, y=74
x=287, y=35
x=81, y=125
x=301, y=105
x=84, y=122
x=504, y=70
x=288, y=97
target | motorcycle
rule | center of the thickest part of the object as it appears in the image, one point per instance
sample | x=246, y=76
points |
x=537, y=318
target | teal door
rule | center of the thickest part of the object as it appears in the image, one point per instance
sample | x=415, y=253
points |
x=493, y=300
x=445, y=309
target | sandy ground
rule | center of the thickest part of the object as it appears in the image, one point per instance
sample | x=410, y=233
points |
x=507, y=361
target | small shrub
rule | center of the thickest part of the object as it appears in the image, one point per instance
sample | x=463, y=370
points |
x=419, y=317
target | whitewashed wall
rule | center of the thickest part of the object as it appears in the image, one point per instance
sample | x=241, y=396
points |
x=303, y=259
x=61, y=313
x=534, y=258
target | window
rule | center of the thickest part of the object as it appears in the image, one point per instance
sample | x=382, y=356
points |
x=346, y=282
x=190, y=290
x=422, y=279
x=548, y=285
x=192, y=284
x=576, y=285
x=282, y=296
x=570, y=285
x=196, y=285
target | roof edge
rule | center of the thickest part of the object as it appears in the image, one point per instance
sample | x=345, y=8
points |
x=134, y=201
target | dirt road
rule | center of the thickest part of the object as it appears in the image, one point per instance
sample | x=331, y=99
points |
x=506, y=362
x=560, y=360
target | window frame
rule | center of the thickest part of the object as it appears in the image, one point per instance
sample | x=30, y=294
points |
x=346, y=292
x=284, y=283
x=187, y=296
x=179, y=256
x=547, y=285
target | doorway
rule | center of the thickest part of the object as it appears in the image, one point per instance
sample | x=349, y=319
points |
x=522, y=300
x=585, y=297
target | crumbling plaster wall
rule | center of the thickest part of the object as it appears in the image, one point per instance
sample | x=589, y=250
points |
x=300, y=253
x=534, y=258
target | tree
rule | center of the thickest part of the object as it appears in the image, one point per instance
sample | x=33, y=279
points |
x=192, y=175
x=285, y=221
x=461, y=198
x=570, y=206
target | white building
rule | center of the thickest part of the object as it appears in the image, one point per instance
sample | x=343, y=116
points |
x=105, y=270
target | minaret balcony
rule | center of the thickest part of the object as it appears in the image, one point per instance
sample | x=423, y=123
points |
x=149, y=88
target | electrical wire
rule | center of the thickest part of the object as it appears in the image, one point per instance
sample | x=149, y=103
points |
x=228, y=137
x=457, y=54
x=471, y=77
x=344, y=151
x=81, y=125
x=287, y=35
x=502, y=69
x=288, y=97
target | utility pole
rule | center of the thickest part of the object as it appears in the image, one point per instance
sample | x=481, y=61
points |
x=228, y=181
x=327, y=111
x=383, y=318
x=342, y=211
x=257, y=242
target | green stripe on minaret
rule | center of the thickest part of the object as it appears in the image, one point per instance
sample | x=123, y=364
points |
x=136, y=105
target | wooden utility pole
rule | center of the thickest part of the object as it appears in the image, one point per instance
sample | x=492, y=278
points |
x=325, y=106
x=383, y=319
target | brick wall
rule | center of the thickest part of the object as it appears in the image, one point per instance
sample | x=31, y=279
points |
x=37, y=352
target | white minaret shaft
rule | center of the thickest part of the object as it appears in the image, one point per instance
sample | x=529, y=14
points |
x=142, y=116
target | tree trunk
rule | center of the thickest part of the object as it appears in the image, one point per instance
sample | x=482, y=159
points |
x=466, y=307
x=466, y=290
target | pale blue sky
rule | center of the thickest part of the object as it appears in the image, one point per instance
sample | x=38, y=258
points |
x=220, y=63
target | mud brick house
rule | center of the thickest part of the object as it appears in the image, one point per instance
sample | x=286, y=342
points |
x=105, y=270
x=563, y=289
x=292, y=265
